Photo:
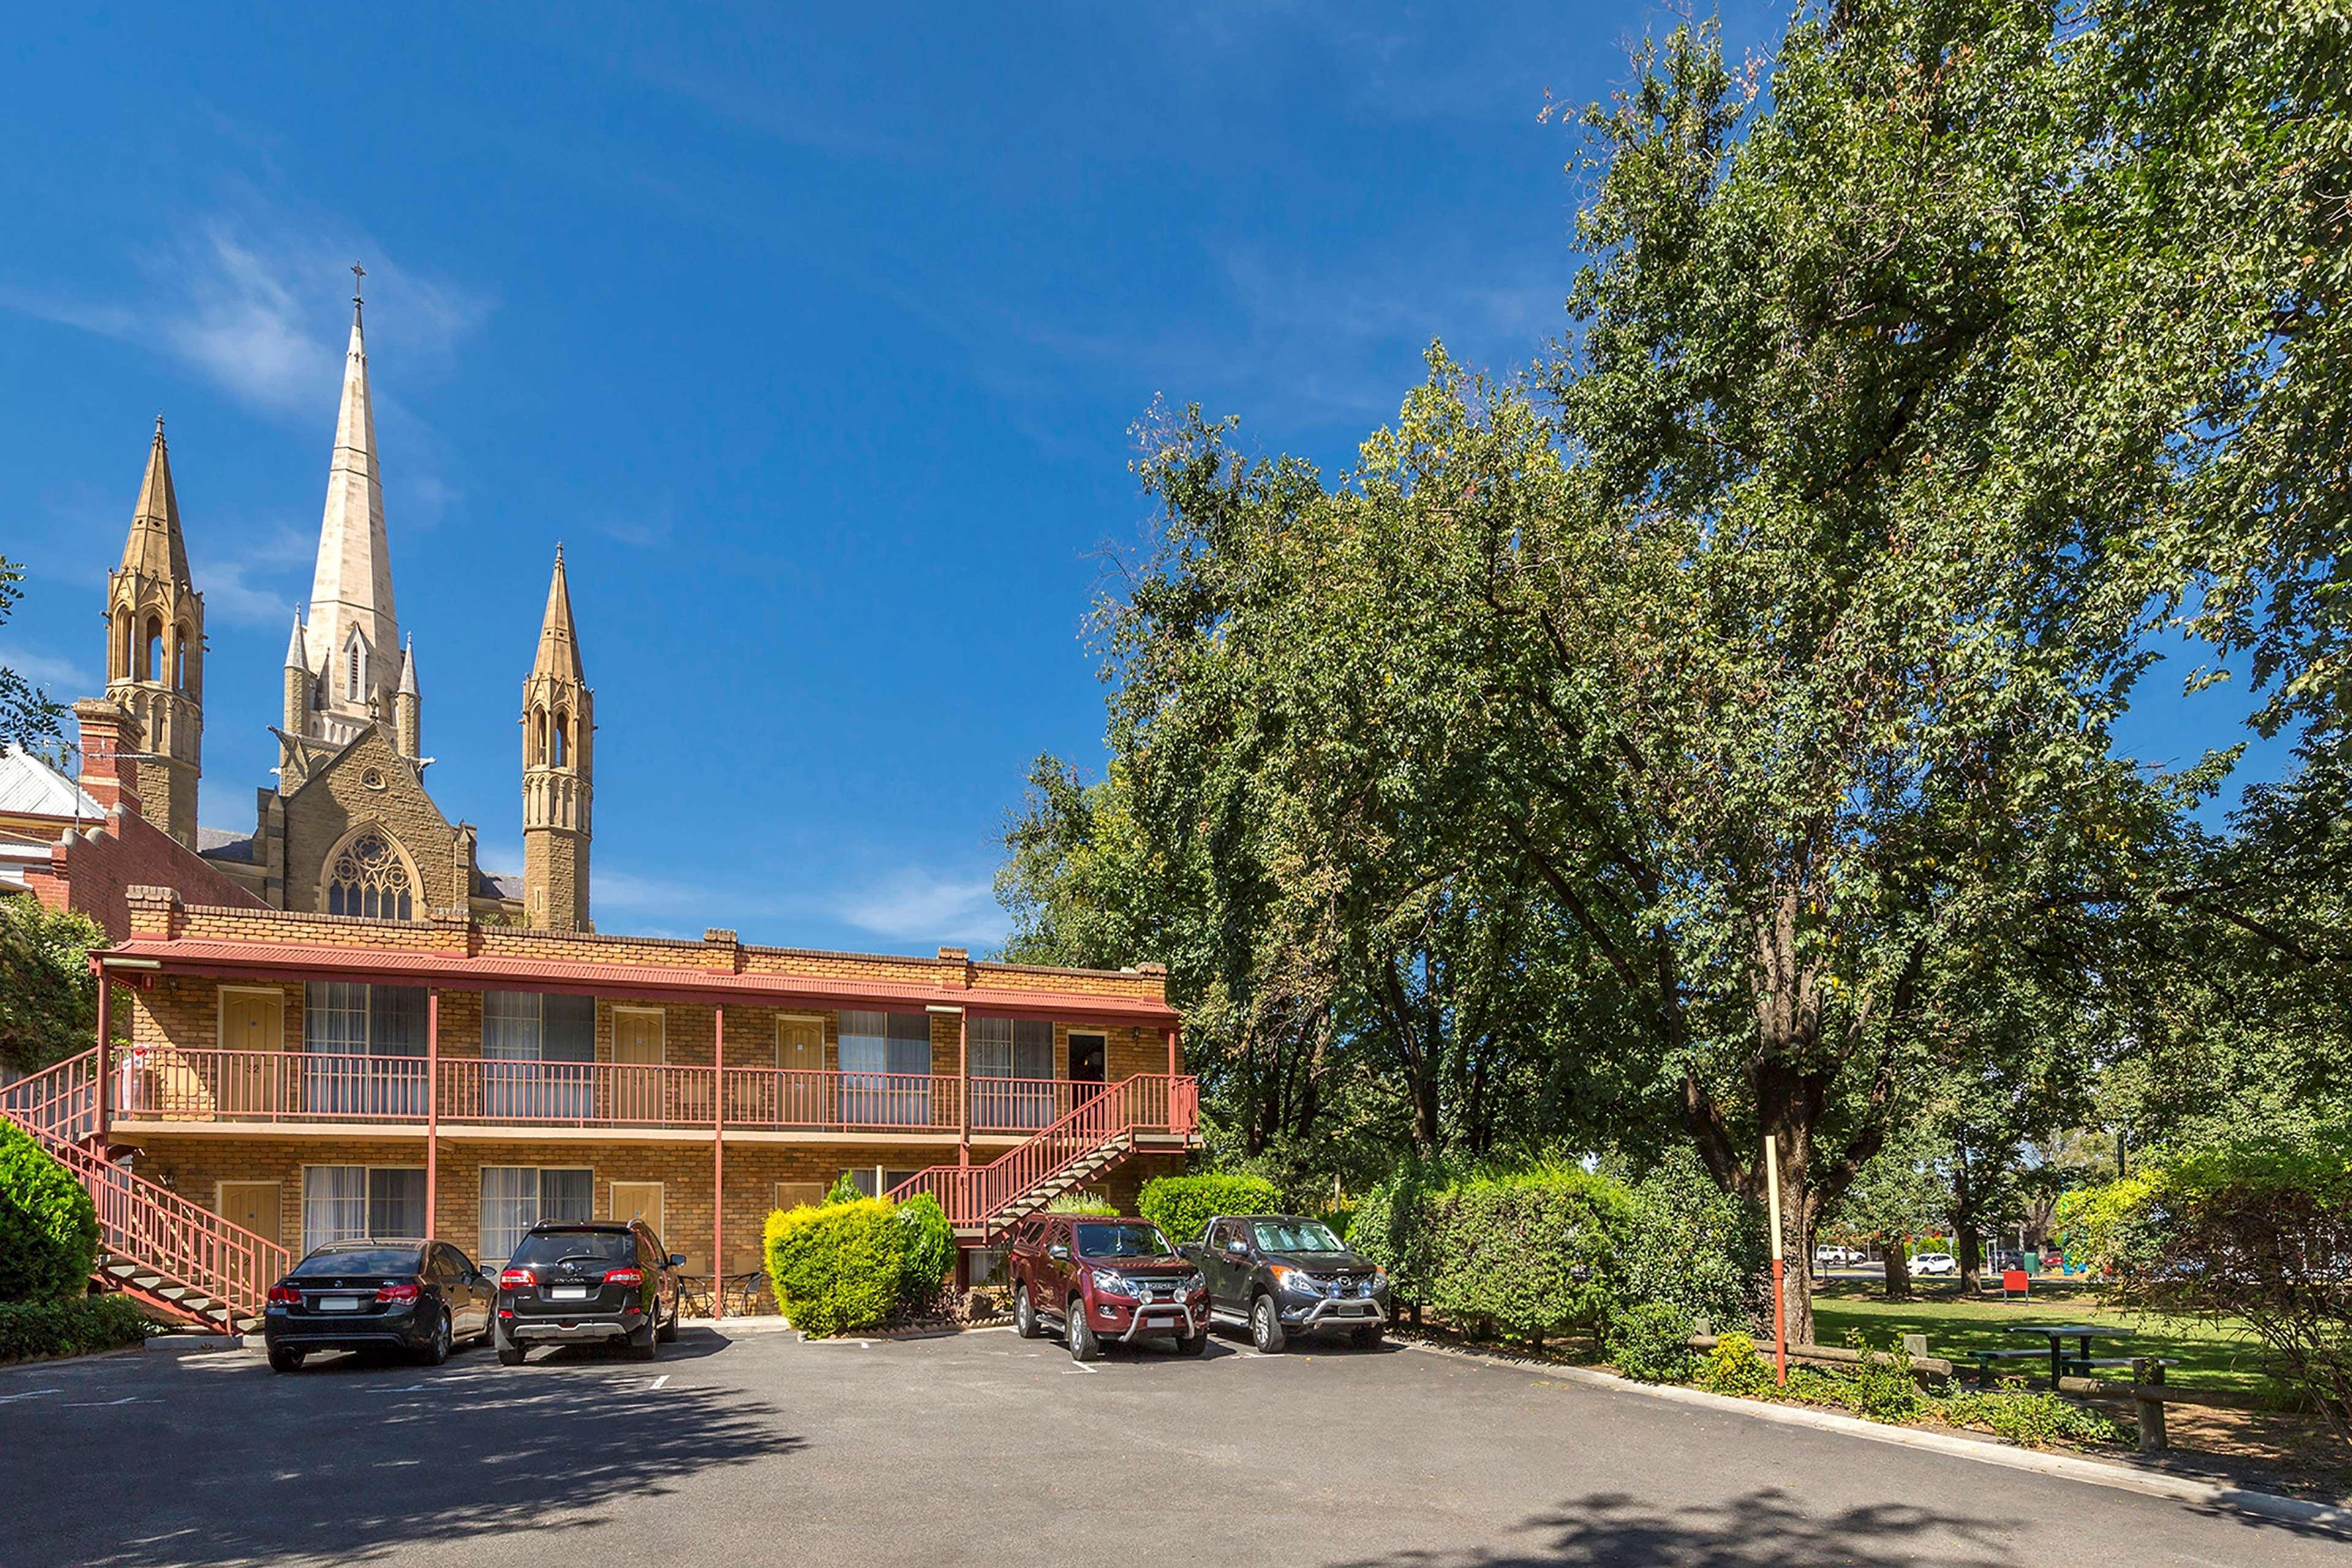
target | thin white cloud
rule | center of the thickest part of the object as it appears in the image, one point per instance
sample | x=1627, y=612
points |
x=255, y=585
x=61, y=679
x=913, y=904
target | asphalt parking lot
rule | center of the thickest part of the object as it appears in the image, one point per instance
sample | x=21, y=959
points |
x=983, y=1449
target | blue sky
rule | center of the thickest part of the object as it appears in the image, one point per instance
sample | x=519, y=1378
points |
x=815, y=338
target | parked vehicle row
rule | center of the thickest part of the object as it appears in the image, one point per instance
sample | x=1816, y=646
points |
x=1093, y=1280
x=567, y=1283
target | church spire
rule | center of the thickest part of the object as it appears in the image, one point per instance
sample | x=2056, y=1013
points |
x=154, y=548
x=353, y=628
x=559, y=643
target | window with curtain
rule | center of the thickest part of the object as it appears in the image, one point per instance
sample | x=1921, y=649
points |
x=546, y=1048
x=1021, y=1050
x=360, y=1203
x=365, y=1046
x=516, y=1197
x=886, y=1063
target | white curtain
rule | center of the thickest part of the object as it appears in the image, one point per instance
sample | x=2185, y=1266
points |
x=334, y=1204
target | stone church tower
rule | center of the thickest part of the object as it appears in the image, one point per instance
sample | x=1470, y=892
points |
x=155, y=649
x=558, y=767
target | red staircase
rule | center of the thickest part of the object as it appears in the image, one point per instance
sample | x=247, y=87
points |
x=980, y=1200
x=155, y=1244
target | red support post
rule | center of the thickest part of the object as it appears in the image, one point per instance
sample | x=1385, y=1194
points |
x=718, y=1160
x=432, y=1111
x=105, y=1054
x=963, y=1089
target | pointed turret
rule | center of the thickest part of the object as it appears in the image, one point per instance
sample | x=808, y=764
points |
x=408, y=708
x=298, y=680
x=559, y=643
x=155, y=548
x=155, y=648
x=353, y=631
x=559, y=729
x=298, y=657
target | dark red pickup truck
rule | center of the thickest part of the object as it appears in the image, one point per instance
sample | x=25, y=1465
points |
x=1100, y=1280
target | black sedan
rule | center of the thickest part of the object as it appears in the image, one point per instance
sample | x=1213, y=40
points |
x=587, y=1281
x=421, y=1297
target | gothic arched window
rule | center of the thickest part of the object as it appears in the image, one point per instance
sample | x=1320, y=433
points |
x=368, y=878
x=562, y=736
x=150, y=661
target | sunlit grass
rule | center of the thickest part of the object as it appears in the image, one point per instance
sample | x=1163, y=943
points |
x=2208, y=1356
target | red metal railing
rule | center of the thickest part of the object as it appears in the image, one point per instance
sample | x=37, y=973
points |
x=143, y=1224
x=977, y=1194
x=200, y=1084
x=140, y=1223
x=59, y=1102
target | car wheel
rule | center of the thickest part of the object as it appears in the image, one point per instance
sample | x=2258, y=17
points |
x=436, y=1349
x=1368, y=1339
x=667, y=1333
x=1192, y=1345
x=1025, y=1316
x=1083, y=1345
x=285, y=1360
x=640, y=1346
x=1265, y=1327
x=509, y=1353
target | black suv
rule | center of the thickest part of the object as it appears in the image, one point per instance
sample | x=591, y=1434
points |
x=602, y=1281
x=416, y=1296
x=1283, y=1274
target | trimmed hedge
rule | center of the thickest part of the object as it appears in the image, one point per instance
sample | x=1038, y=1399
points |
x=70, y=1325
x=836, y=1266
x=1650, y=1342
x=48, y=1229
x=1182, y=1205
x=1692, y=1245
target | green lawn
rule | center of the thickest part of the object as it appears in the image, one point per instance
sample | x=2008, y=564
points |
x=2209, y=1357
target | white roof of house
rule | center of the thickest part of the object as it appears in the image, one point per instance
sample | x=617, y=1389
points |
x=30, y=785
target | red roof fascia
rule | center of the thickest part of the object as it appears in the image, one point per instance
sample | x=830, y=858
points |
x=458, y=972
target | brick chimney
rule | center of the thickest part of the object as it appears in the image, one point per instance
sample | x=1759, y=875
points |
x=110, y=754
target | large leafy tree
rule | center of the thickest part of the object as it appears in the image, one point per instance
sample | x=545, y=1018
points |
x=27, y=718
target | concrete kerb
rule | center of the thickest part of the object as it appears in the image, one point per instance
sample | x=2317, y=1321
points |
x=2333, y=1517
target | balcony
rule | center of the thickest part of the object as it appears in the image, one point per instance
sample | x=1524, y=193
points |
x=166, y=1086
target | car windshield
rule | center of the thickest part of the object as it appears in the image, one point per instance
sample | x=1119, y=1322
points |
x=357, y=1260
x=1297, y=1235
x=1106, y=1240
x=555, y=1246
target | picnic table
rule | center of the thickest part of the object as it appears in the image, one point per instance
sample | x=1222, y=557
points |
x=2059, y=1333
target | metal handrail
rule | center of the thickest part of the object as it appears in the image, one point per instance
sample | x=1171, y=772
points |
x=977, y=1194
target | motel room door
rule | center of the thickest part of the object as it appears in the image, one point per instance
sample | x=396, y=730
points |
x=252, y=1021
x=636, y=1067
x=640, y=1200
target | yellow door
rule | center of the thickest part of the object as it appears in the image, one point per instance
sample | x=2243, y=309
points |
x=254, y=1206
x=637, y=1037
x=640, y=1201
x=252, y=1021
x=800, y=1043
x=802, y=1098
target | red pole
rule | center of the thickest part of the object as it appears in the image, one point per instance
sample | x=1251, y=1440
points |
x=963, y=1089
x=1779, y=1293
x=105, y=1053
x=718, y=1160
x=433, y=1114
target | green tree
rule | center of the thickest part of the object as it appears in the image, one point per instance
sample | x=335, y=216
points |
x=27, y=718
x=49, y=998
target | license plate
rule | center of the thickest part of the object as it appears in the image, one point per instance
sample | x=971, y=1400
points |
x=567, y=1293
x=339, y=1303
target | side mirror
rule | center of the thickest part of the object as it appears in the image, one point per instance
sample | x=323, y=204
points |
x=678, y=1260
x=1238, y=1247
x=1059, y=1253
x=482, y=1277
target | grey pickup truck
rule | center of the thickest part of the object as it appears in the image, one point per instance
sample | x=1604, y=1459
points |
x=1283, y=1274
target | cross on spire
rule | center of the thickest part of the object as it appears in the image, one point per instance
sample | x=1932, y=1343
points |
x=358, y=273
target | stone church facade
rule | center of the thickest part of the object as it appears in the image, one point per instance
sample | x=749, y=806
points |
x=349, y=828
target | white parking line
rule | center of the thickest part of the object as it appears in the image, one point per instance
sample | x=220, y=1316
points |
x=29, y=1393
x=662, y=1379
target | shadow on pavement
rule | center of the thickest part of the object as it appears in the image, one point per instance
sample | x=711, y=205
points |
x=1763, y=1529
x=348, y=1469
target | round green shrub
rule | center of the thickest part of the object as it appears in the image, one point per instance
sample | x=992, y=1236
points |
x=836, y=1266
x=929, y=1249
x=1690, y=1243
x=1650, y=1342
x=844, y=1190
x=48, y=1229
x=1182, y=1206
x=1733, y=1367
x=1528, y=1254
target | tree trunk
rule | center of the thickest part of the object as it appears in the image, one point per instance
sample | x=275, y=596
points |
x=1898, y=1274
x=1971, y=1254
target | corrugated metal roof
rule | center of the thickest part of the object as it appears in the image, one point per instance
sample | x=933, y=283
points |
x=457, y=971
x=30, y=785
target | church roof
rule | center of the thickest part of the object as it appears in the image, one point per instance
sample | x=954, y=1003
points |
x=30, y=786
x=224, y=844
x=154, y=548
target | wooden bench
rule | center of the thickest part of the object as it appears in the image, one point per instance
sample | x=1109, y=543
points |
x=1984, y=1360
